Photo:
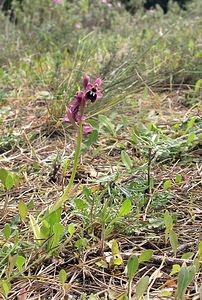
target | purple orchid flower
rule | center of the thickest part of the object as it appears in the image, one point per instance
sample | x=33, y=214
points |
x=93, y=90
x=75, y=112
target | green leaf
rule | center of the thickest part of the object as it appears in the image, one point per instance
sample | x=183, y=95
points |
x=197, y=86
x=126, y=160
x=173, y=241
x=200, y=251
x=54, y=217
x=80, y=204
x=168, y=224
x=7, y=231
x=167, y=184
x=9, y=181
x=81, y=243
x=92, y=297
x=191, y=138
x=20, y=261
x=62, y=276
x=182, y=283
x=166, y=294
x=102, y=264
x=132, y=267
x=192, y=272
x=187, y=255
x=22, y=207
x=6, y=287
x=197, y=265
x=168, y=220
x=92, y=138
x=145, y=256
x=191, y=122
x=3, y=175
x=178, y=178
x=36, y=229
x=58, y=229
x=142, y=286
x=104, y=121
x=71, y=229
x=175, y=269
x=125, y=207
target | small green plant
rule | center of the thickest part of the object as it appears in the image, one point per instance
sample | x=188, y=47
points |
x=132, y=268
x=169, y=232
x=185, y=277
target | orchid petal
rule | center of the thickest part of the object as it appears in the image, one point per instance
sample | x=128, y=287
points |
x=89, y=86
x=99, y=95
x=86, y=80
x=98, y=82
x=86, y=128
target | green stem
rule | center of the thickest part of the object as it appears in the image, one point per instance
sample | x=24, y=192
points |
x=64, y=196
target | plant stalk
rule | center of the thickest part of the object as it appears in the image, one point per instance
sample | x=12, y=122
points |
x=64, y=196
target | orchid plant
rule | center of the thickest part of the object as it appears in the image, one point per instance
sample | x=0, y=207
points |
x=75, y=116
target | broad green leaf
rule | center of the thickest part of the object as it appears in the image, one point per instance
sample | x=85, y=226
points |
x=142, y=286
x=175, y=269
x=58, y=230
x=191, y=138
x=3, y=175
x=22, y=207
x=45, y=230
x=166, y=294
x=92, y=138
x=145, y=256
x=80, y=204
x=167, y=184
x=6, y=287
x=71, y=229
x=168, y=220
x=54, y=217
x=62, y=276
x=178, y=178
x=191, y=122
x=192, y=272
x=9, y=181
x=107, y=123
x=132, y=267
x=7, y=231
x=173, y=241
x=182, y=283
x=81, y=243
x=20, y=261
x=102, y=264
x=126, y=160
x=125, y=207
x=197, y=264
x=187, y=255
